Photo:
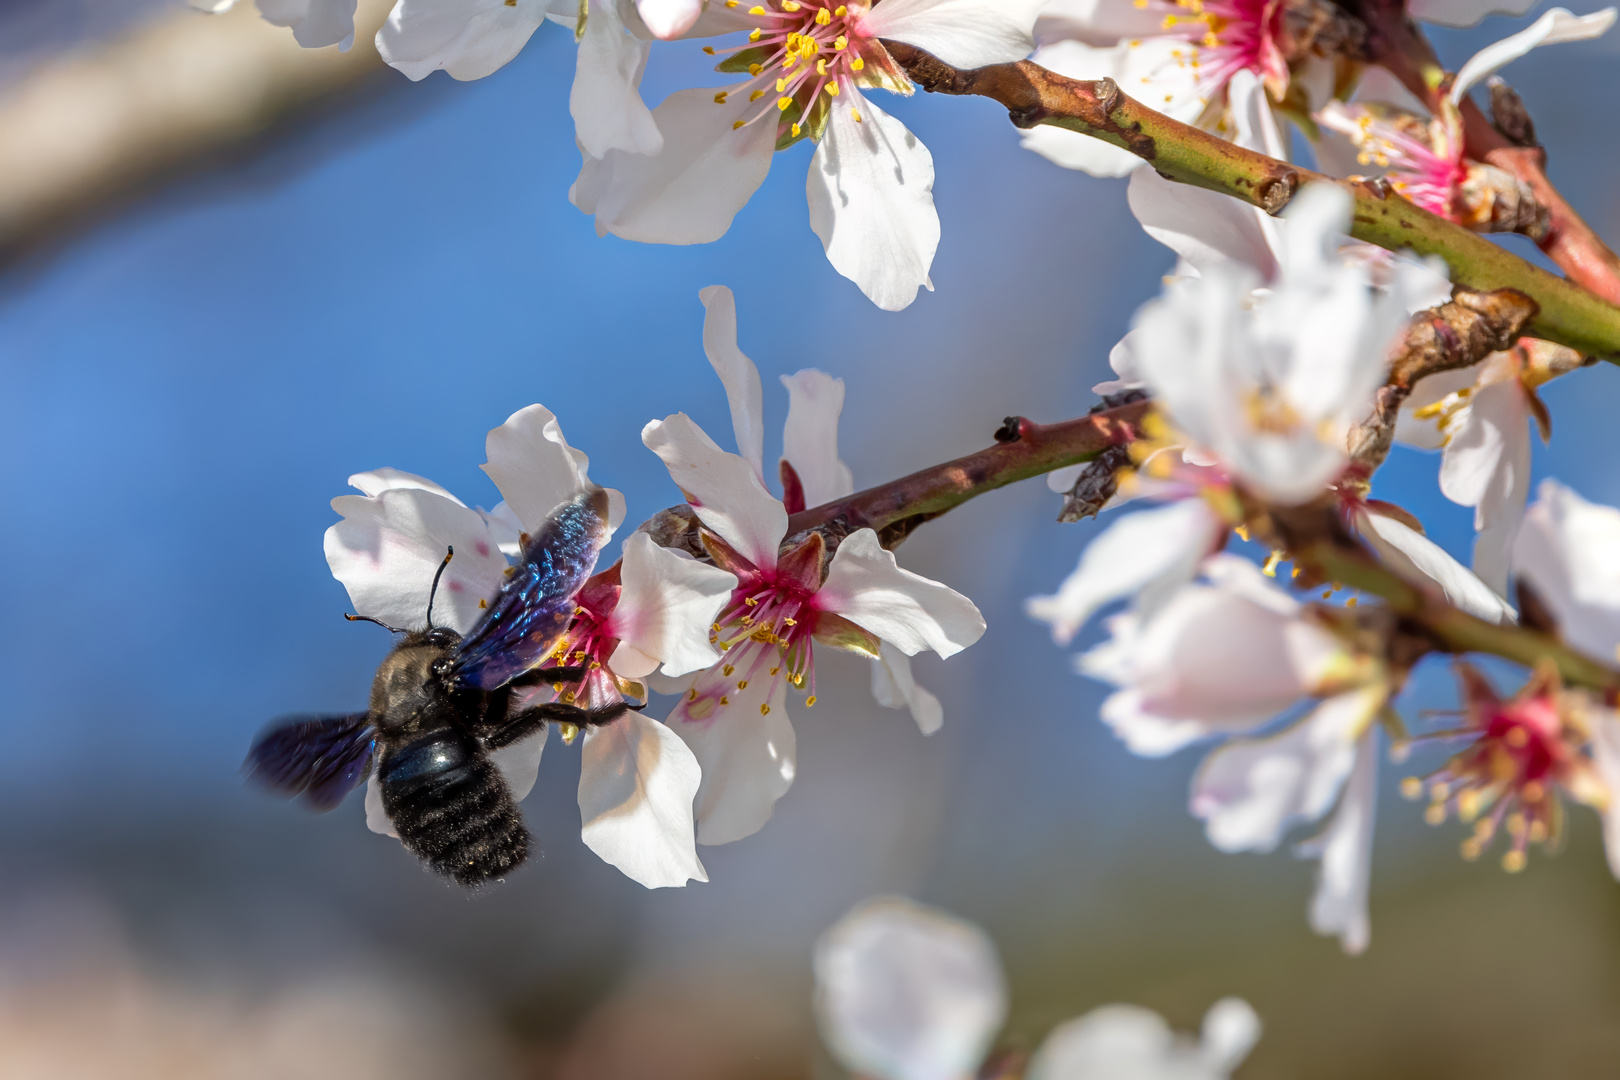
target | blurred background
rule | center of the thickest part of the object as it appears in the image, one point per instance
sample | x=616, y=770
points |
x=234, y=273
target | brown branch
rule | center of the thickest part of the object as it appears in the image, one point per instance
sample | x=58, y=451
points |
x=1569, y=314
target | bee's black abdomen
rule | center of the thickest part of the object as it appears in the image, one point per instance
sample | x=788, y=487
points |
x=452, y=808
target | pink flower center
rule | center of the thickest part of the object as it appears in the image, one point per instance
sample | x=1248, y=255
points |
x=589, y=642
x=1227, y=36
x=801, y=55
x=1427, y=170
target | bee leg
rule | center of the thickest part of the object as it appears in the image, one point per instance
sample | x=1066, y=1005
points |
x=521, y=725
x=537, y=676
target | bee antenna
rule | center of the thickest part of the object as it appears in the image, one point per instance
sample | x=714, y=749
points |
x=449, y=553
x=379, y=622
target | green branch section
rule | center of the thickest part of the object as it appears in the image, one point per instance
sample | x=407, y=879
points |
x=1569, y=314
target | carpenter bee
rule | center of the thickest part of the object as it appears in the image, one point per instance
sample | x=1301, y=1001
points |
x=442, y=702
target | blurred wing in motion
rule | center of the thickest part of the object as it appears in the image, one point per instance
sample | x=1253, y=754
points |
x=536, y=601
x=321, y=758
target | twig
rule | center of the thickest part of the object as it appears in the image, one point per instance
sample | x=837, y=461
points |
x=1033, y=95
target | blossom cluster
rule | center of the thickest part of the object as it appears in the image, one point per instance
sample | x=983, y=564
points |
x=1267, y=394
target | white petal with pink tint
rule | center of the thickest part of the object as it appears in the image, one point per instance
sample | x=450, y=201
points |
x=866, y=586
x=1158, y=548
x=810, y=437
x=1249, y=792
x=747, y=756
x=963, y=33
x=905, y=992
x=723, y=488
x=537, y=471
x=688, y=192
x=387, y=549
x=894, y=687
x=1339, y=906
x=636, y=783
x=871, y=195
x=737, y=374
x=667, y=604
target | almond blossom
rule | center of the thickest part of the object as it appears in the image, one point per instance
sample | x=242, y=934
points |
x=1223, y=659
x=315, y=23
x=789, y=595
x=637, y=778
x=907, y=992
x=807, y=63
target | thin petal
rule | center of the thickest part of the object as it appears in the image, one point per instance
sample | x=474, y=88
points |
x=537, y=471
x=963, y=33
x=1554, y=28
x=871, y=194
x=387, y=549
x=1249, y=792
x=906, y=992
x=748, y=756
x=810, y=438
x=866, y=586
x=605, y=101
x=723, y=489
x=737, y=374
x=1339, y=906
x=1164, y=544
x=667, y=604
x=894, y=687
x=689, y=192
x=1417, y=558
x=469, y=39
x=636, y=784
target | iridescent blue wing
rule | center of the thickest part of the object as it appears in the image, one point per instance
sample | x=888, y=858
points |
x=535, y=602
x=317, y=758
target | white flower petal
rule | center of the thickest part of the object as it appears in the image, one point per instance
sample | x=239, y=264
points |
x=605, y=101
x=314, y=23
x=963, y=33
x=748, y=756
x=636, y=784
x=1114, y=1042
x=1606, y=759
x=667, y=604
x=387, y=549
x=669, y=19
x=1417, y=558
x=866, y=586
x=1095, y=22
x=688, y=192
x=520, y=762
x=1205, y=228
x=1339, y=906
x=1566, y=551
x=894, y=687
x=469, y=39
x=723, y=489
x=737, y=374
x=537, y=471
x=1231, y=1028
x=810, y=437
x=905, y=992
x=1554, y=28
x=1426, y=434
x=871, y=195
x=376, y=817
x=1251, y=114
x=1249, y=792
x=1163, y=545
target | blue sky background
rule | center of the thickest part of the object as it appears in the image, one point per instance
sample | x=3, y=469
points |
x=187, y=387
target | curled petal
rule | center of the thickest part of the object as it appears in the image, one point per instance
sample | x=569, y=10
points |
x=469, y=39
x=906, y=992
x=537, y=471
x=667, y=604
x=871, y=194
x=737, y=374
x=1417, y=558
x=894, y=687
x=810, y=438
x=636, y=784
x=866, y=586
x=1554, y=28
x=724, y=490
